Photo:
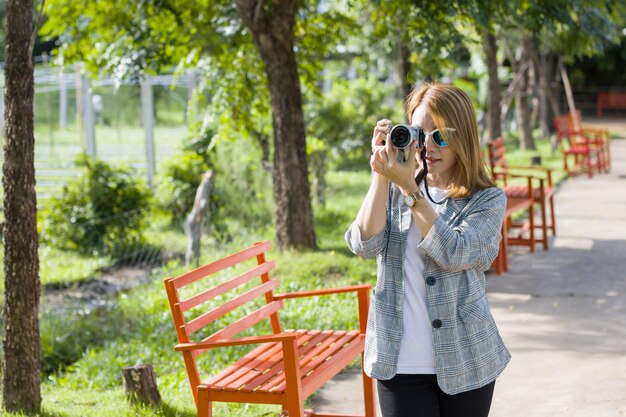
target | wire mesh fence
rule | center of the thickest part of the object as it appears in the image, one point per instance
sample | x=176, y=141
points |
x=119, y=129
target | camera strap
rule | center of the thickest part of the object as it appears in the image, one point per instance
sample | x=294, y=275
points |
x=423, y=175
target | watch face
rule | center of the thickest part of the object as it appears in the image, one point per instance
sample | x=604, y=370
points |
x=409, y=200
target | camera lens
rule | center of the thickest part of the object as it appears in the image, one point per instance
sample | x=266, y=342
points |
x=400, y=136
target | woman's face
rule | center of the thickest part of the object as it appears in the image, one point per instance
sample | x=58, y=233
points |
x=439, y=160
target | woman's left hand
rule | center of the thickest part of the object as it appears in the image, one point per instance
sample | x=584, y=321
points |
x=385, y=162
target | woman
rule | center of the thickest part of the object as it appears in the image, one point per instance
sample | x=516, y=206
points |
x=431, y=340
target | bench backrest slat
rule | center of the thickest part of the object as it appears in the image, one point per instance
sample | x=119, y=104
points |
x=225, y=287
x=497, y=161
x=226, y=262
x=210, y=316
x=243, y=323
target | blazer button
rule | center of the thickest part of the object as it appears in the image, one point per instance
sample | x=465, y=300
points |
x=431, y=281
x=437, y=323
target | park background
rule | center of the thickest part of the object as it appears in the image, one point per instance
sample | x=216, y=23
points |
x=184, y=92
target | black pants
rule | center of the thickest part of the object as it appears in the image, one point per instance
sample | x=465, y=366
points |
x=420, y=396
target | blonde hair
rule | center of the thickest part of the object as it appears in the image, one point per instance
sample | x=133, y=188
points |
x=450, y=107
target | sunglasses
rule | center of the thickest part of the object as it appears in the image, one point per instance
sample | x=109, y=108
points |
x=435, y=134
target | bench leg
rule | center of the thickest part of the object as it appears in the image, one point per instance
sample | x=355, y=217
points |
x=552, y=216
x=531, y=220
x=205, y=408
x=295, y=402
x=544, y=222
x=368, y=394
x=505, y=245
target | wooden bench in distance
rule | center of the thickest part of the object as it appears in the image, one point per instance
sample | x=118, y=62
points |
x=588, y=147
x=610, y=100
x=288, y=366
x=542, y=186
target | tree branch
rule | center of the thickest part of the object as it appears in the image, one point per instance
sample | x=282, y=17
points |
x=31, y=44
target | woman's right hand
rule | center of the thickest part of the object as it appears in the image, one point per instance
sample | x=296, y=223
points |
x=381, y=131
x=379, y=140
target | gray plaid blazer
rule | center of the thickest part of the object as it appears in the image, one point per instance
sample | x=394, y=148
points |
x=461, y=245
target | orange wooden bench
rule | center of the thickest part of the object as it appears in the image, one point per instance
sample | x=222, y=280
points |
x=589, y=147
x=542, y=189
x=515, y=204
x=288, y=366
x=610, y=100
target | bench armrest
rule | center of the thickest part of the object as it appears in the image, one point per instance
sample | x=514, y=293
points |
x=252, y=340
x=363, y=293
x=596, y=131
x=325, y=291
x=544, y=173
x=587, y=134
x=531, y=168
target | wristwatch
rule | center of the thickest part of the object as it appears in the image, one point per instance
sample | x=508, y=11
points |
x=411, y=198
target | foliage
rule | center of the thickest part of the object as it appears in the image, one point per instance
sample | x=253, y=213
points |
x=581, y=27
x=100, y=213
x=425, y=27
x=243, y=189
x=600, y=71
x=128, y=38
x=342, y=121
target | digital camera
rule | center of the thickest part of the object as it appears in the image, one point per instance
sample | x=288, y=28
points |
x=402, y=136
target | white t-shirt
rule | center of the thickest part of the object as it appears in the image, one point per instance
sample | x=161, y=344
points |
x=416, y=351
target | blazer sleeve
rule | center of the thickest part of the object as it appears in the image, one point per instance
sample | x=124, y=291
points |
x=365, y=248
x=475, y=241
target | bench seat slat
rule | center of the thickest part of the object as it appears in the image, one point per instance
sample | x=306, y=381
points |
x=267, y=374
x=199, y=322
x=304, y=346
x=259, y=361
x=515, y=204
x=323, y=356
x=227, y=286
x=521, y=191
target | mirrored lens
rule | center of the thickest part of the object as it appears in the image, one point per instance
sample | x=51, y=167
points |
x=438, y=139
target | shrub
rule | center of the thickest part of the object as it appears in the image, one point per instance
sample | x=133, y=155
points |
x=100, y=213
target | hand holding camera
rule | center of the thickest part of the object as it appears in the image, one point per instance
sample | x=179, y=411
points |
x=393, y=156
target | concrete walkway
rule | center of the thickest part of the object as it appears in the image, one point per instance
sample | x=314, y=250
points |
x=561, y=313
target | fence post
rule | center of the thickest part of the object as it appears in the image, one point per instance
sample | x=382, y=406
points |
x=88, y=116
x=191, y=115
x=147, y=106
x=62, y=101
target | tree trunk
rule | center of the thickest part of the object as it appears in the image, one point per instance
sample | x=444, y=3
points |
x=193, y=221
x=404, y=70
x=272, y=27
x=522, y=105
x=21, y=363
x=568, y=94
x=533, y=93
x=494, y=122
x=548, y=69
